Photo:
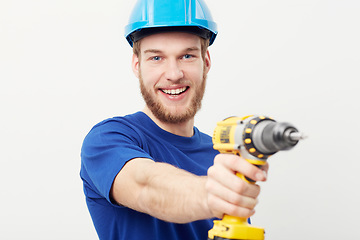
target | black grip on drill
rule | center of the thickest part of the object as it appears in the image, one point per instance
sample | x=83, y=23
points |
x=220, y=238
x=249, y=179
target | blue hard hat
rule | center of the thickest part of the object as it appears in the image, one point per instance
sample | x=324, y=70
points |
x=152, y=16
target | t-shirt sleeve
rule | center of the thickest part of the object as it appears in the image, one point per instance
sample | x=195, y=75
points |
x=106, y=149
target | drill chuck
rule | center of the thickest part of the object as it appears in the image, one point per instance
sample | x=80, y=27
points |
x=270, y=137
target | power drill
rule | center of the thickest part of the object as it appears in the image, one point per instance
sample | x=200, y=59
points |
x=255, y=138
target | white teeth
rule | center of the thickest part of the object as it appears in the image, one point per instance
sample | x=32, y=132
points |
x=174, y=91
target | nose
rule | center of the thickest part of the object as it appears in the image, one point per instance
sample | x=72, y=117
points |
x=173, y=71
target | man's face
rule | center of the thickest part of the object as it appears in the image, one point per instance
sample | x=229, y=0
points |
x=172, y=75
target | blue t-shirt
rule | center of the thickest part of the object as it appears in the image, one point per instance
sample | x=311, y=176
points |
x=112, y=143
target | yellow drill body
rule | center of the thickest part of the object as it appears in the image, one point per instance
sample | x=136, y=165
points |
x=255, y=138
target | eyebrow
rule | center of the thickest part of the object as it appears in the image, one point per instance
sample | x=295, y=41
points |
x=152, y=51
x=190, y=49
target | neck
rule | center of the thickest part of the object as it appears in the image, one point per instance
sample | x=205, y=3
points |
x=185, y=129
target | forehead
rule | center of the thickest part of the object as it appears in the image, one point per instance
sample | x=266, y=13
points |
x=170, y=41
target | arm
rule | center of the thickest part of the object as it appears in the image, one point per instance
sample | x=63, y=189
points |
x=161, y=190
x=175, y=195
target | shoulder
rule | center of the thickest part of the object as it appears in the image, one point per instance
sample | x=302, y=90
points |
x=120, y=123
x=115, y=128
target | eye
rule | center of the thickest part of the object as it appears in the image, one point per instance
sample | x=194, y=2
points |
x=156, y=58
x=187, y=56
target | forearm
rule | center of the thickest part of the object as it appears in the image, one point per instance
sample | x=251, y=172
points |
x=165, y=192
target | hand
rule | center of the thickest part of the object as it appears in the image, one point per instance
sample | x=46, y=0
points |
x=227, y=193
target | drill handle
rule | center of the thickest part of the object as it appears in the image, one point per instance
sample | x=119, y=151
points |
x=236, y=228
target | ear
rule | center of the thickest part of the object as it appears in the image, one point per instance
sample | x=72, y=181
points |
x=207, y=61
x=135, y=65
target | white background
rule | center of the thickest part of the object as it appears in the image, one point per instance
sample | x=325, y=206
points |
x=65, y=65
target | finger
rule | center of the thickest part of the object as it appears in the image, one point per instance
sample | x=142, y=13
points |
x=220, y=207
x=222, y=182
x=243, y=199
x=265, y=167
x=239, y=164
x=226, y=177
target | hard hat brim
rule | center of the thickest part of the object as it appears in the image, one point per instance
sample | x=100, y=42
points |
x=144, y=32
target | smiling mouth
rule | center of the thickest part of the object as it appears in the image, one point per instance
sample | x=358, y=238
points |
x=175, y=92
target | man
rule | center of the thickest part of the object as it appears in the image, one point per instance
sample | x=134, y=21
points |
x=152, y=174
